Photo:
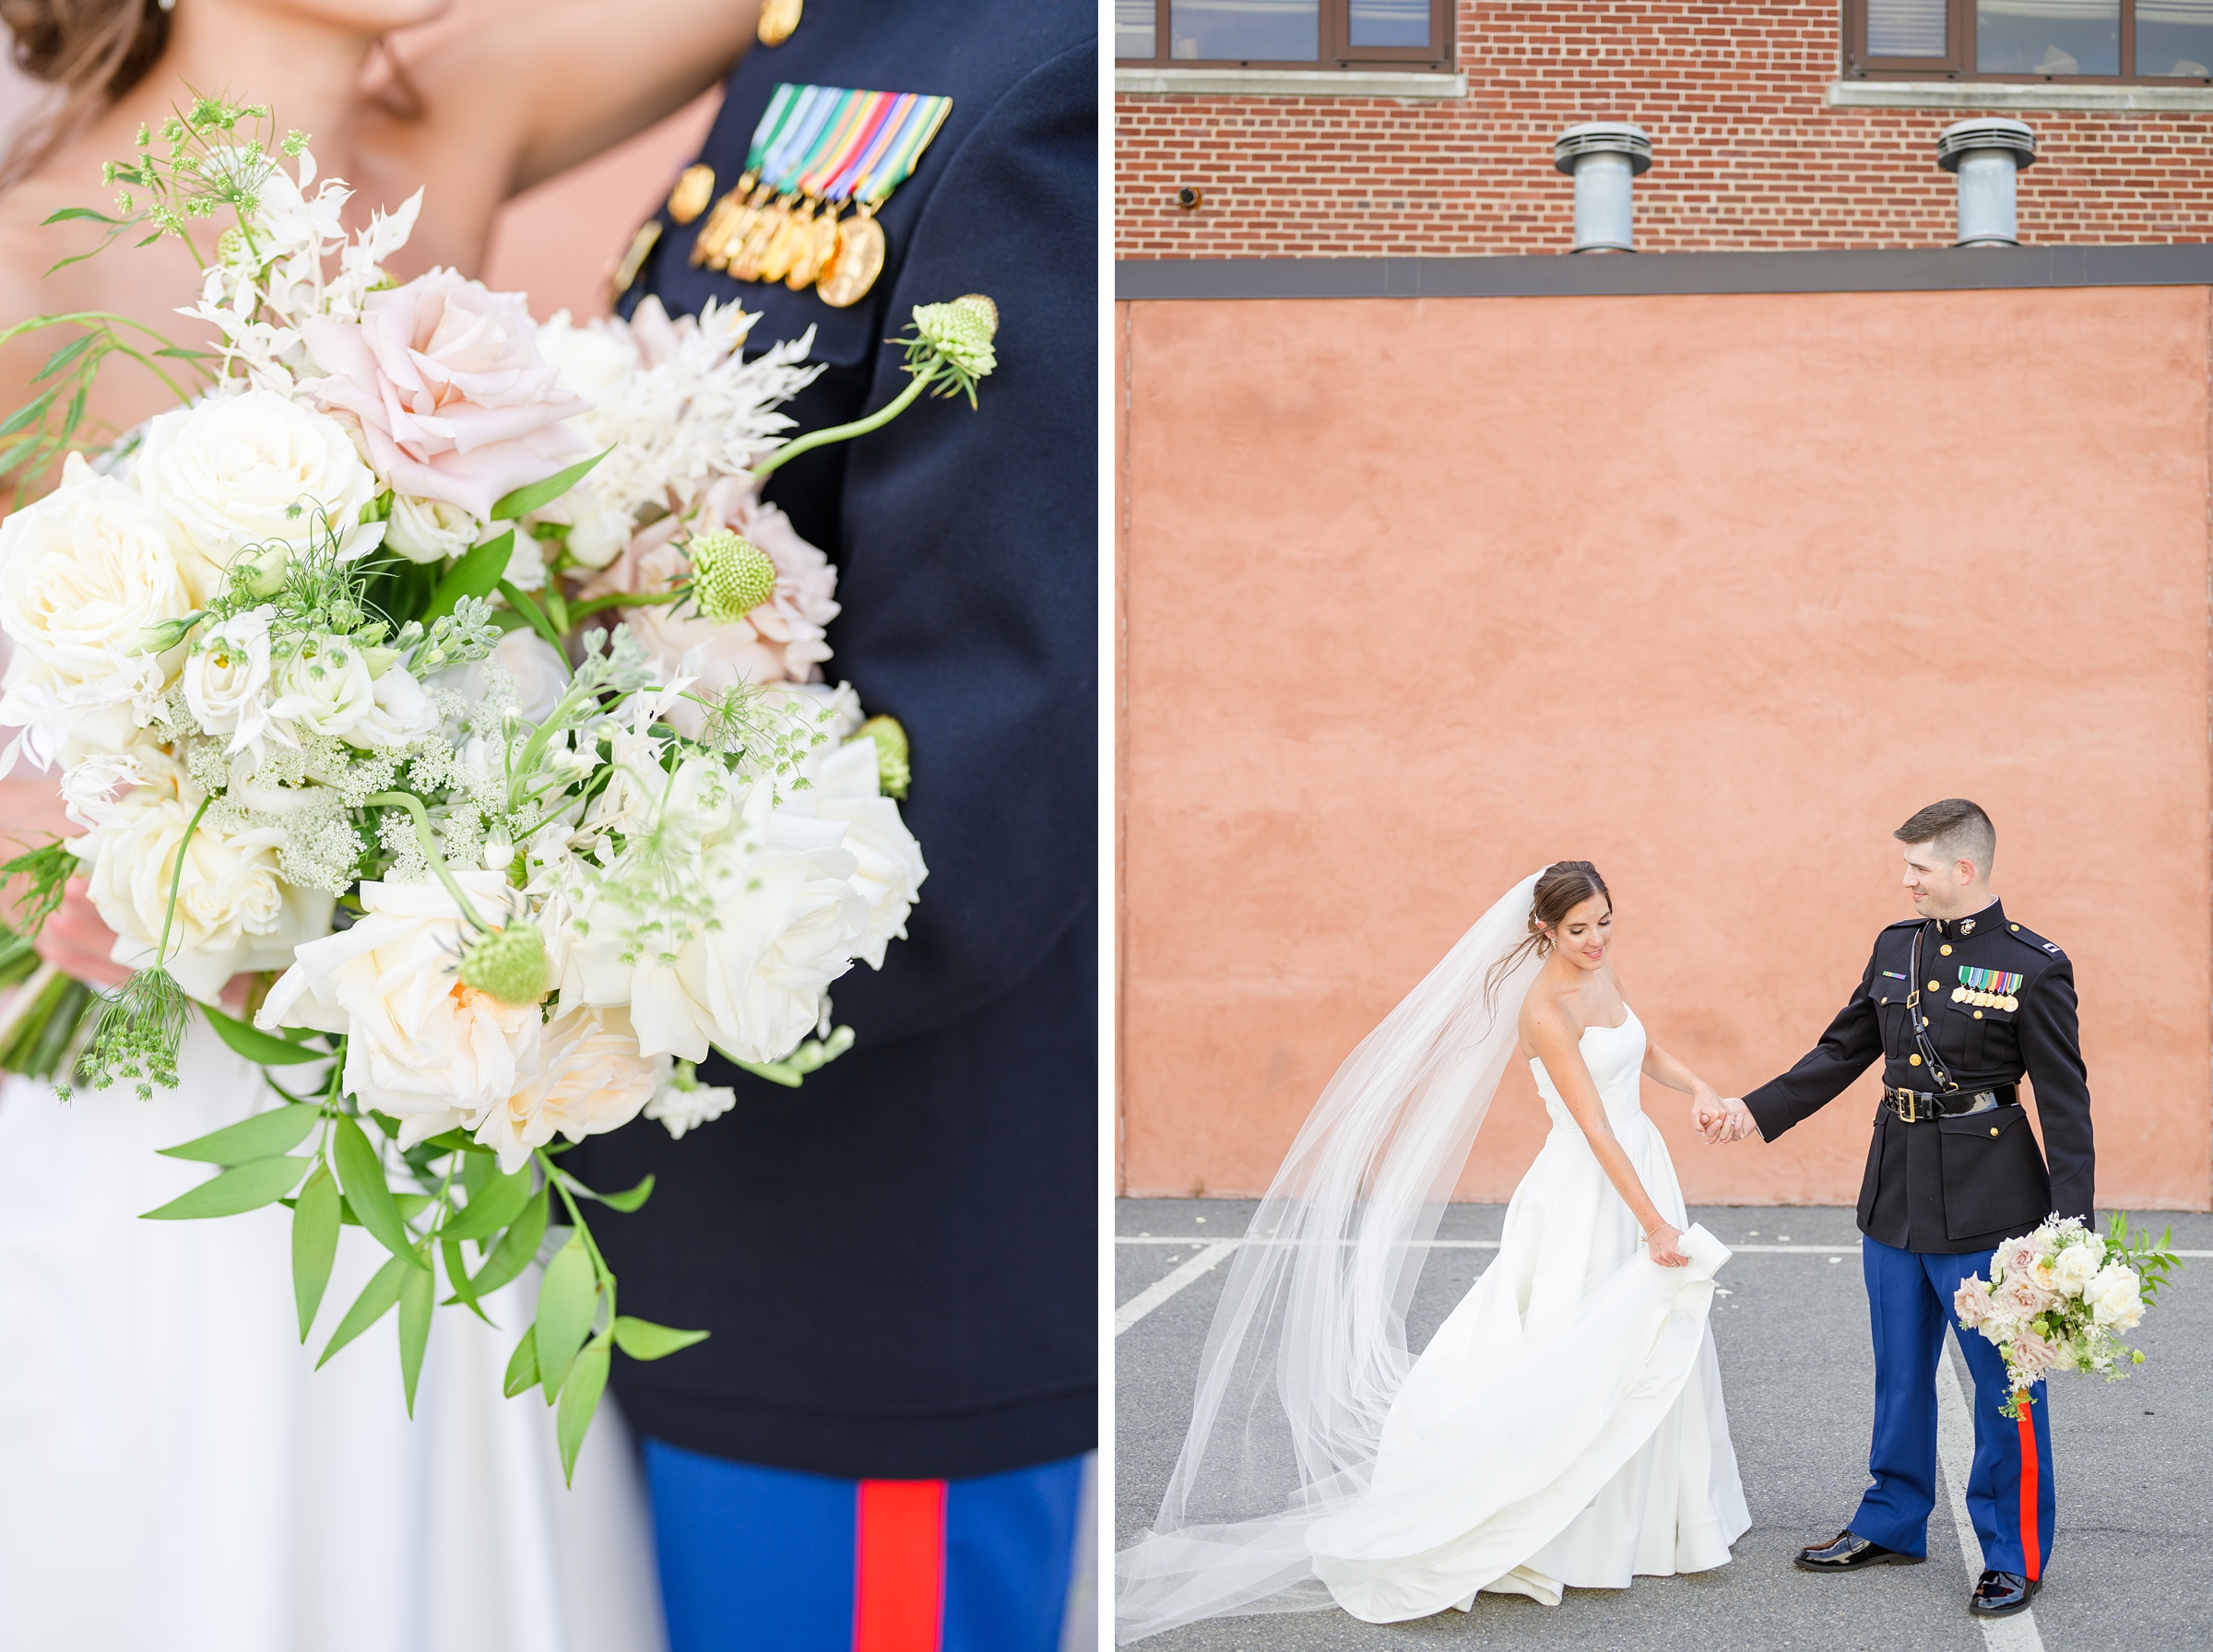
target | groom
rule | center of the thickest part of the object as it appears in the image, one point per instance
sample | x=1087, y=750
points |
x=1960, y=1003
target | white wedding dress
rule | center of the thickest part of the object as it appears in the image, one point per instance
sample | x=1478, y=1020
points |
x=174, y=1472
x=1564, y=1428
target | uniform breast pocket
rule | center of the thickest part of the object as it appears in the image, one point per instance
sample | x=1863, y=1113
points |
x=1994, y=1180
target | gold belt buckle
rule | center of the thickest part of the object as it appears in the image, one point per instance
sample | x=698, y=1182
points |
x=1912, y=1112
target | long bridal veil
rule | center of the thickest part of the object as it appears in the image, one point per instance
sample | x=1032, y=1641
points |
x=1308, y=1343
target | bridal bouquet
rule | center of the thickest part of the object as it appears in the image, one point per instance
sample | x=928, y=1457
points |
x=2057, y=1300
x=442, y=713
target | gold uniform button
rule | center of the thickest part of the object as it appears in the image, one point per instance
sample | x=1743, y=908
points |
x=1932, y=987
x=1946, y=950
x=2012, y=925
x=1993, y=1130
x=1978, y=1015
x=693, y=191
x=1912, y=1060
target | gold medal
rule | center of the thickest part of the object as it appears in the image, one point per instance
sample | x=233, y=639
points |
x=795, y=234
x=822, y=241
x=2009, y=1003
x=625, y=272
x=745, y=259
x=694, y=190
x=778, y=18
x=854, y=266
x=1958, y=995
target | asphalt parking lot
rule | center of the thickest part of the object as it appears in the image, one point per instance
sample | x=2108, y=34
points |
x=2132, y=1564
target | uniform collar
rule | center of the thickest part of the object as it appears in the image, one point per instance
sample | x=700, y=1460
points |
x=1976, y=923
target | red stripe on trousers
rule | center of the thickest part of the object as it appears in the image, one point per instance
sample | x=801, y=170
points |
x=2030, y=1559
x=899, y=1566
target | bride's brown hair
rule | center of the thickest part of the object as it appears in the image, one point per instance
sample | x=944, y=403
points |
x=94, y=50
x=1561, y=888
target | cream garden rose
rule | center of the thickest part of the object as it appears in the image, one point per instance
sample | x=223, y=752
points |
x=421, y=1049
x=585, y=1077
x=83, y=573
x=227, y=678
x=2115, y=1297
x=889, y=869
x=250, y=470
x=233, y=912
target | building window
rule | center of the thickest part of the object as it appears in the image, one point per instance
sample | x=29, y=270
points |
x=1310, y=34
x=2155, y=42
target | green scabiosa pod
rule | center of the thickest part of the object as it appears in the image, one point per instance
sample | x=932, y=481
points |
x=960, y=332
x=893, y=773
x=509, y=964
x=730, y=577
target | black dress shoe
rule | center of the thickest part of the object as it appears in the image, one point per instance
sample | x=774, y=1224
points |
x=2000, y=1594
x=1849, y=1551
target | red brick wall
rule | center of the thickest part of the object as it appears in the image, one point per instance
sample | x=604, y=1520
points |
x=1747, y=154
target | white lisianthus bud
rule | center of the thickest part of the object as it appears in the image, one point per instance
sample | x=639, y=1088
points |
x=429, y=530
x=499, y=850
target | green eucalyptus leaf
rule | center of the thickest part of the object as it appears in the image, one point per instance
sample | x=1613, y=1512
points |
x=521, y=1366
x=265, y=1133
x=537, y=495
x=643, y=1340
x=499, y=1203
x=374, y=1302
x=418, y=1296
x=630, y=1199
x=579, y=1398
x=474, y=575
x=362, y=1174
x=315, y=1243
x=567, y=1298
x=246, y=1187
x=457, y=1270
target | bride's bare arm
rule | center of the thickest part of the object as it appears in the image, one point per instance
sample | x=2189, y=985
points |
x=1558, y=1042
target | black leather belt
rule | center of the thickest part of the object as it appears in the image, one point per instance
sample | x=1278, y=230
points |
x=1918, y=1106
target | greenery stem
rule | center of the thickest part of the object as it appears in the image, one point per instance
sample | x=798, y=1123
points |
x=428, y=838
x=844, y=432
x=624, y=599
x=176, y=882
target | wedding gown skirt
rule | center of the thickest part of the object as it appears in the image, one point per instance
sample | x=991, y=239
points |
x=174, y=1473
x=1564, y=1428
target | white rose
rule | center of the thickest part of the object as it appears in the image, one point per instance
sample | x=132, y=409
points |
x=585, y=1077
x=595, y=360
x=2073, y=1269
x=421, y=1047
x=2116, y=1298
x=83, y=573
x=248, y=469
x=429, y=530
x=233, y=911
x=890, y=871
x=227, y=677
x=526, y=563
x=786, y=922
x=324, y=688
x=403, y=712
x=541, y=674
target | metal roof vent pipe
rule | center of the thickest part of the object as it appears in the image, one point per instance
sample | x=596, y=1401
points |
x=1987, y=154
x=1603, y=156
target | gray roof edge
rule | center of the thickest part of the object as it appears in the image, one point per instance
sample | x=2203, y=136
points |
x=1919, y=269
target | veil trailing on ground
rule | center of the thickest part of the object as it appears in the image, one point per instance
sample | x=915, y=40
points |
x=1308, y=1345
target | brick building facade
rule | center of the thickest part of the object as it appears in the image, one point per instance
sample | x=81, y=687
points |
x=1761, y=141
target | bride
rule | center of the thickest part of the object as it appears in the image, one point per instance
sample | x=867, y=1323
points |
x=1564, y=1428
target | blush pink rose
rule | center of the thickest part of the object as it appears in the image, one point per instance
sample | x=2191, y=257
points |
x=2019, y=1257
x=2023, y=1296
x=2031, y=1354
x=781, y=641
x=1973, y=1303
x=444, y=380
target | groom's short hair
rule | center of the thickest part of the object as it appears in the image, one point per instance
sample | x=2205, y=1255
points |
x=1959, y=830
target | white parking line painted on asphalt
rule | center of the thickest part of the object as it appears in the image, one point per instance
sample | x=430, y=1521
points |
x=1152, y=1295
x=1955, y=1456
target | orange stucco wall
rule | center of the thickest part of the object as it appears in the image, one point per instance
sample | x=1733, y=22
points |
x=1714, y=591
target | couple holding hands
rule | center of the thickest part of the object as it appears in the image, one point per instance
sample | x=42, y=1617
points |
x=1565, y=1426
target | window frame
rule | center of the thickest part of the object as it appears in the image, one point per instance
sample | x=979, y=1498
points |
x=1337, y=52
x=1960, y=31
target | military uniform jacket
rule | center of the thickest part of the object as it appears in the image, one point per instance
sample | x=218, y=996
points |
x=1969, y=1182
x=897, y=1261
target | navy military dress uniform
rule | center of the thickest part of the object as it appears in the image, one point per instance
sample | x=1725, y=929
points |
x=1960, y=1011
x=898, y=1260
